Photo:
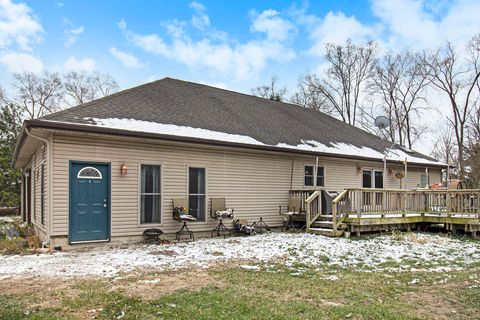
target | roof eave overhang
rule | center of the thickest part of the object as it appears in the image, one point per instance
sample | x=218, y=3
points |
x=138, y=134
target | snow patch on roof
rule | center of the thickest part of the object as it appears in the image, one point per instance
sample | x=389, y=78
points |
x=341, y=148
x=171, y=129
x=335, y=148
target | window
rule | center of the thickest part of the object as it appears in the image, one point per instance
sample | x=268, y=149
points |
x=378, y=179
x=150, y=194
x=424, y=181
x=309, y=174
x=196, y=192
x=42, y=195
x=89, y=173
x=372, y=179
x=367, y=178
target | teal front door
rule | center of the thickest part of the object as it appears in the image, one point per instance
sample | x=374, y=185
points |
x=89, y=218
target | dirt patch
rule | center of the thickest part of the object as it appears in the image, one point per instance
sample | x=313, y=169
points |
x=438, y=306
x=50, y=292
x=153, y=287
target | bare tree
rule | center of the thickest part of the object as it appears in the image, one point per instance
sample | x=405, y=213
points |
x=400, y=81
x=270, y=91
x=307, y=97
x=445, y=147
x=458, y=80
x=350, y=68
x=37, y=95
x=81, y=87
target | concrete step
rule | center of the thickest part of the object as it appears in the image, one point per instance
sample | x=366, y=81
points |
x=325, y=232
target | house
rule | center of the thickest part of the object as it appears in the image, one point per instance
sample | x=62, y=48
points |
x=109, y=169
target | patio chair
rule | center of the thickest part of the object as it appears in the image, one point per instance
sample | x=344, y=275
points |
x=219, y=210
x=294, y=208
x=180, y=214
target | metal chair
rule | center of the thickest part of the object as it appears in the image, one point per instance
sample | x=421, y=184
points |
x=180, y=214
x=219, y=210
x=152, y=234
x=294, y=208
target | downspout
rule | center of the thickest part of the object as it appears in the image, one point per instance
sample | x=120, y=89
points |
x=48, y=143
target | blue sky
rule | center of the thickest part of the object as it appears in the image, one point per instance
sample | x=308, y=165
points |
x=232, y=44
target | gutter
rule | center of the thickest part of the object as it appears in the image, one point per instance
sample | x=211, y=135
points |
x=47, y=124
x=49, y=145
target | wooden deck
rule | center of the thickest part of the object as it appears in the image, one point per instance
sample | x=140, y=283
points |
x=365, y=210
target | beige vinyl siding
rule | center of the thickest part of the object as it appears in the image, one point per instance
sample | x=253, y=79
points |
x=39, y=157
x=253, y=183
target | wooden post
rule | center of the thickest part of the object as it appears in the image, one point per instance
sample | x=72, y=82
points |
x=307, y=215
x=449, y=203
x=334, y=216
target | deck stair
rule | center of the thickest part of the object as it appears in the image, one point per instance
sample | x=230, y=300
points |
x=319, y=223
x=323, y=225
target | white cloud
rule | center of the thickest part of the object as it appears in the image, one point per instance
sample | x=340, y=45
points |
x=217, y=53
x=417, y=24
x=73, y=64
x=18, y=62
x=72, y=33
x=275, y=27
x=200, y=19
x=127, y=59
x=18, y=26
x=338, y=28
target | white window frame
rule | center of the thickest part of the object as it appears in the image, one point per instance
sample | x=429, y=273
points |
x=193, y=166
x=84, y=168
x=315, y=175
x=373, y=178
x=139, y=209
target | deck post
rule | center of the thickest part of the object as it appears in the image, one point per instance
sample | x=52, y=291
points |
x=334, y=217
x=449, y=203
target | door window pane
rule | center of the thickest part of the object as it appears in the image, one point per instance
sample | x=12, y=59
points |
x=379, y=179
x=196, y=192
x=150, y=196
x=367, y=179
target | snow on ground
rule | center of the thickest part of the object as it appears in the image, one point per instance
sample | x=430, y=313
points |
x=421, y=252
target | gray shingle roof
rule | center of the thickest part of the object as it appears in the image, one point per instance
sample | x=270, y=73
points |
x=171, y=101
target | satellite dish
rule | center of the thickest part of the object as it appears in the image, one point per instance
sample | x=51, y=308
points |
x=382, y=122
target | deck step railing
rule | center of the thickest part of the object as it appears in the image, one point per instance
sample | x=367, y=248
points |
x=313, y=206
x=364, y=202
